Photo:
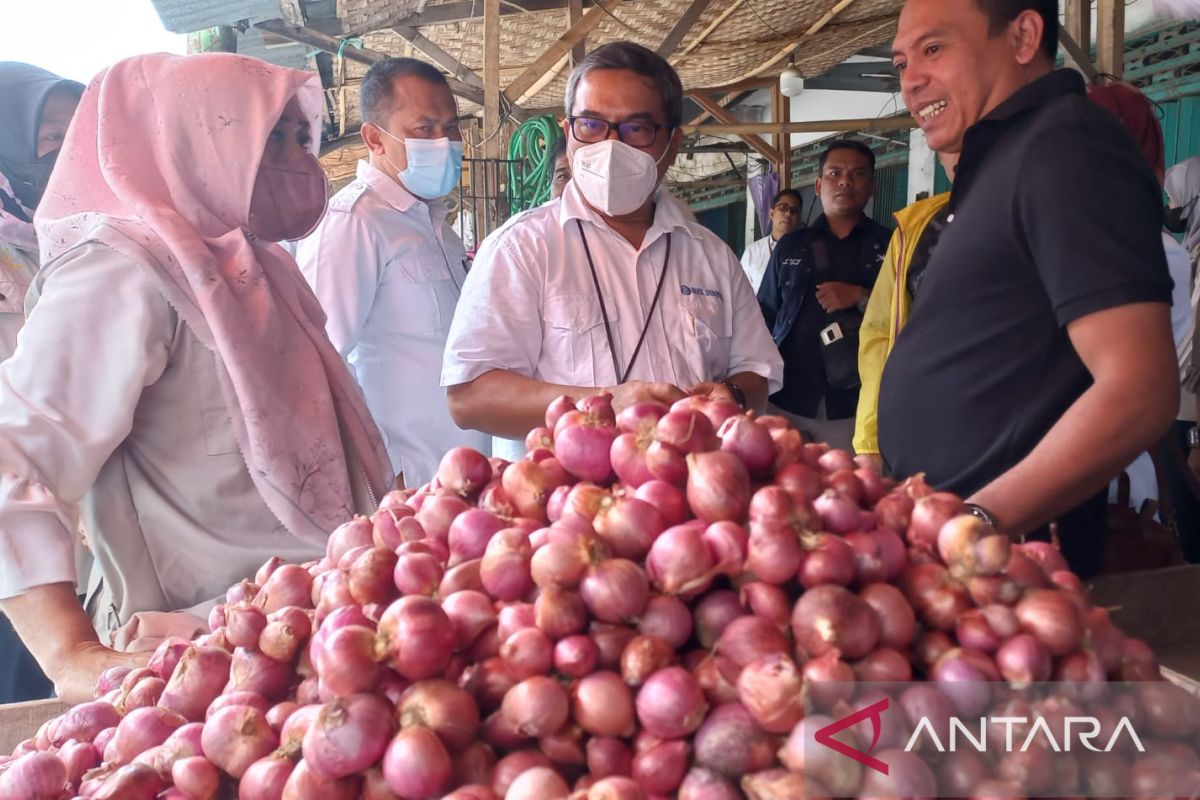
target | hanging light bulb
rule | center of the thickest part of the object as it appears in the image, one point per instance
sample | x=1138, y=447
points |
x=791, y=80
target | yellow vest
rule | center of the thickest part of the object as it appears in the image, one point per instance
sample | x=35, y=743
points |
x=886, y=313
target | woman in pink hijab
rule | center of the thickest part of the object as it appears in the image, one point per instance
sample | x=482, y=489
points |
x=173, y=383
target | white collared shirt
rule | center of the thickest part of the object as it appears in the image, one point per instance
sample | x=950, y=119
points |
x=756, y=259
x=388, y=268
x=529, y=305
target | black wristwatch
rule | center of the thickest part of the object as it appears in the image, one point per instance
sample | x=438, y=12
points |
x=1193, y=437
x=739, y=396
x=982, y=513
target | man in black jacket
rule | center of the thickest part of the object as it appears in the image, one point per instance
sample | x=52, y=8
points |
x=814, y=294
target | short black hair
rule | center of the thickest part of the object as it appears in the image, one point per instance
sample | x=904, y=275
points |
x=783, y=192
x=378, y=89
x=847, y=144
x=1001, y=12
x=635, y=58
x=558, y=149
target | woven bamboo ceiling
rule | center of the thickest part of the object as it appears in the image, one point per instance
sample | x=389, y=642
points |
x=729, y=41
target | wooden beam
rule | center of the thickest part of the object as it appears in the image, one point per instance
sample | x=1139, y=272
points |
x=756, y=142
x=723, y=102
x=1080, y=57
x=493, y=136
x=814, y=126
x=748, y=85
x=1110, y=37
x=574, y=14
x=440, y=56
x=551, y=55
x=320, y=41
x=462, y=10
x=685, y=23
x=1078, y=22
x=734, y=5
x=813, y=30
x=781, y=115
x=491, y=78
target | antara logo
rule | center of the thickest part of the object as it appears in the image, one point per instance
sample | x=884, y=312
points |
x=1038, y=732
x=872, y=712
x=1075, y=729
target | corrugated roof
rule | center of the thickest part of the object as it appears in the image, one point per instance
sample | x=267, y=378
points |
x=185, y=16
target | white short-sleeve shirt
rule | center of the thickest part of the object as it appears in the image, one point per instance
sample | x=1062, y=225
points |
x=387, y=269
x=756, y=259
x=530, y=304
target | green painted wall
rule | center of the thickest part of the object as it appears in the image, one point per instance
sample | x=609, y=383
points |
x=891, y=193
x=1181, y=128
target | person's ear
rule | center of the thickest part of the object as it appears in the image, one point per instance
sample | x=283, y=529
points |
x=1025, y=33
x=372, y=137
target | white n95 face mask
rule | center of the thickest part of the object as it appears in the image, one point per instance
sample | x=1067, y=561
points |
x=434, y=165
x=614, y=177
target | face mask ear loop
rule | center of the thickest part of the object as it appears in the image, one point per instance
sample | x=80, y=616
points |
x=664, y=153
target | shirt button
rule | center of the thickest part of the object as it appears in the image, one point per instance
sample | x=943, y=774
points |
x=949, y=219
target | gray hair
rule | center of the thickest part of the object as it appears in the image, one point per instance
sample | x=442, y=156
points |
x=377, y=91
x=638, y=59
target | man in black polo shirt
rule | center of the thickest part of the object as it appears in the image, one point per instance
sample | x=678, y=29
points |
x=818, y=280
x=1038, y=359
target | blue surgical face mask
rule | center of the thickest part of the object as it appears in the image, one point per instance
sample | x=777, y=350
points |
x=434, y=165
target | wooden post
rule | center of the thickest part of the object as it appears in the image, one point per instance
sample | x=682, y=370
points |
x=781, y=111
x=1110, y=37
x=574, y=14
x=1079, y=23
x=493, y=136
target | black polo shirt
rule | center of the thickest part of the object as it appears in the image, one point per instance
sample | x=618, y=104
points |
x=854, y=259
x=1054, y=215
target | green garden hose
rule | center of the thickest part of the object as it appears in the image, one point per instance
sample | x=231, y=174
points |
x=530, y=169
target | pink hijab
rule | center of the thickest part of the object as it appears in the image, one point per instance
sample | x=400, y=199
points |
x=159, y=164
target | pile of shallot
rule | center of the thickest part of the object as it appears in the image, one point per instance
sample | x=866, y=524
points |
x=644, y=607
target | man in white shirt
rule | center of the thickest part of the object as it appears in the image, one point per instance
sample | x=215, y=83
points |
x=611, y=287
x=388, y=268
x=786, y=216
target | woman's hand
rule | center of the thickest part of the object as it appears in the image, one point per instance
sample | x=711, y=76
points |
x=147, y=629
x=76, y=674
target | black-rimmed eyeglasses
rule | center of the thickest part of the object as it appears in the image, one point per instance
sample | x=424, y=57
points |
x=637, y=133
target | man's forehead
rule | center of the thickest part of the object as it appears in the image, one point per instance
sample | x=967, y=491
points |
x=618, y=92
x=922, y=18
x=847, y=158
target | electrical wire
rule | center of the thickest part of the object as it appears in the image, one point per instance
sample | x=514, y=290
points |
x=530, y=168
x=769, y=26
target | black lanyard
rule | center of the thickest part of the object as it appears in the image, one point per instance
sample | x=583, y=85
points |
x=612, y=347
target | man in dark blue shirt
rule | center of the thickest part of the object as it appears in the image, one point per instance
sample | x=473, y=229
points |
x=815, y=290
x=1038, y=358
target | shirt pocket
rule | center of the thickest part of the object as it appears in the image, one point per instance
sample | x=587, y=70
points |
x=707, y=336
x=575, y=348
x=428, y=296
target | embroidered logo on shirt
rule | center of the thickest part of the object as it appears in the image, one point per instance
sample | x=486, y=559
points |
x=700, y=292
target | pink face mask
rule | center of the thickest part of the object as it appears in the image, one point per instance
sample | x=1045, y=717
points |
x=288, y=201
